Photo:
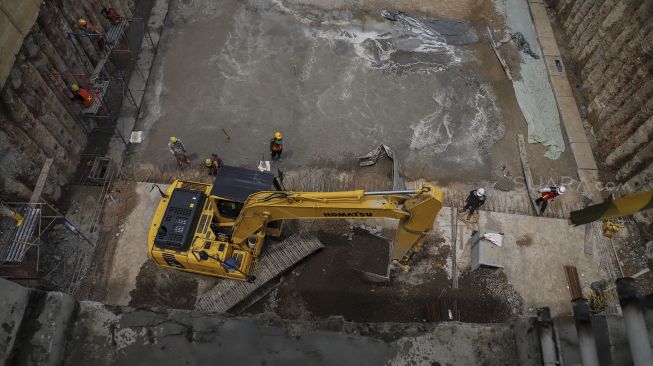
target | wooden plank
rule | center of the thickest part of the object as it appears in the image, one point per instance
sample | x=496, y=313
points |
x=40, y=183
x=496, y=52
x=528, y=177
x=454, y=247
x=575, y=289
x=587, y=242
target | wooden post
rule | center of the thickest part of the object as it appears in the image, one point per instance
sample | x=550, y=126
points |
x=527, y=172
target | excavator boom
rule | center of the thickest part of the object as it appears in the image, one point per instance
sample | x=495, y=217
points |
x=415, y=209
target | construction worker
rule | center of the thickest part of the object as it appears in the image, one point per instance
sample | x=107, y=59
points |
x=91, y=31
x=82, y=94
x=178, y=149
x=549, y=194
x=111, y=15
x=610, y=228
x=276, y=146
x=213, y=164
x=474, y=201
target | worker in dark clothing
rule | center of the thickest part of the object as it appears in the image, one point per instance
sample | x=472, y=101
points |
x=475, y=200
x=111, y=15
x=276, y=146
x=213, y=164
x=549, y=194
x=91, y=31
x=82, y=94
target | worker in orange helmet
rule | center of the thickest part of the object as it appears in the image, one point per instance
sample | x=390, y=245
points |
x=276, y=146
x=82, y=94
x=111, y=15
x=91, y=31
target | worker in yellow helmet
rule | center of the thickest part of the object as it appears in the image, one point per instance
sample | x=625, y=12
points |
x=610, y=228
x=178, y=150
x=92, y=32
x=213, y=164
x=82, y=94
x=276, y=146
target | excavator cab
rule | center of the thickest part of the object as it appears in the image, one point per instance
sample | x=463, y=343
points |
x=192, y=225
x=231, y=188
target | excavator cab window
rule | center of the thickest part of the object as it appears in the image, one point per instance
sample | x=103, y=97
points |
x=229, y=209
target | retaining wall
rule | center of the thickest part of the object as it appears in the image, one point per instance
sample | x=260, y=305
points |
x=38, y=120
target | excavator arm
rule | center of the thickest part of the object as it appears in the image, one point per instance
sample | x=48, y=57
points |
x=416, y=211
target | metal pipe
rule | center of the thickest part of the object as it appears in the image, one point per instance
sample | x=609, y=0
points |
x=378, y=193
x=586, y=343
x=545, y=330
x=638, y=339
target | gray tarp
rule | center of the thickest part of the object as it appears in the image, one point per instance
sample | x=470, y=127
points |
x=533, y=90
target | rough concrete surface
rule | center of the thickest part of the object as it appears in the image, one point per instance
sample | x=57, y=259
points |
x=50, y=327
x=13, y=301
x=127, y=336
x=336, y=86
x=533, y=254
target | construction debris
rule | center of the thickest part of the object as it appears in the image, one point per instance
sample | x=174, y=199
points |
x=522, y=44
x=373, y=156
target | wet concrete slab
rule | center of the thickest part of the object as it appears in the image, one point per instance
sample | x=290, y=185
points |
x=335, y=87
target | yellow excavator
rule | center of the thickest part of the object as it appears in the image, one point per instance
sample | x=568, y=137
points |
x=219, y=229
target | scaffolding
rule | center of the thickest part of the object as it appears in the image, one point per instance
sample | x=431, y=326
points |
x=15, y=246
x=108, y=82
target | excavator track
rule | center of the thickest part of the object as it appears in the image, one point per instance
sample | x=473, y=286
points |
x=277, y=260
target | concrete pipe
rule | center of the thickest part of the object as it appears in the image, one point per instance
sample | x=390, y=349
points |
x=547, y=342
x=586, y=343
x=638, y=339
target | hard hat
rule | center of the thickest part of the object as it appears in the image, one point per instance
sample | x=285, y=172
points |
x=81, y=21
x=208, y=162
x=561, y=189
x=74, y=87
x=480, y=192
x=173, y=140
x=278, y=136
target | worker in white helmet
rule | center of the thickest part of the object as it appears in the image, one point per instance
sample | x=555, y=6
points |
x=178, y=150
x=474, y=201
x=549, y=194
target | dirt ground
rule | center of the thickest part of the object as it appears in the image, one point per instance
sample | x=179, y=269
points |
x=329, y=284
x=461, y=9
x=164, y=288
x=94, y=286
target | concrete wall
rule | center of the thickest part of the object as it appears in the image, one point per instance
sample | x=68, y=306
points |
x=16, y=19
x=611, y=43
x=37, y=118
x=51, y=328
